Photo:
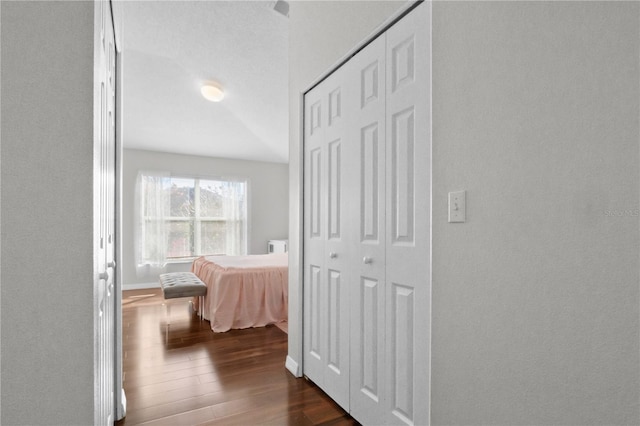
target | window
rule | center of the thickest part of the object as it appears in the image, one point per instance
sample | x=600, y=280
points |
x=187, y=217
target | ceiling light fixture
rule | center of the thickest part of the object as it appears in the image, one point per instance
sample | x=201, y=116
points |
x=212, y=92
x=282, y=7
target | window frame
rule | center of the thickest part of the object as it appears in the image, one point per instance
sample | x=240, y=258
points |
x=197, y=220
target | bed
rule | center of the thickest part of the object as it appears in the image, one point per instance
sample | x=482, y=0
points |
x=243, y=291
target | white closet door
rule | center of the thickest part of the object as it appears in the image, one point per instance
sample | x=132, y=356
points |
x=408, y=218
x=367, y=222
x=367, y=172
x=104, y=219
x=338, y=276
x=314, y=235
x=326, y=272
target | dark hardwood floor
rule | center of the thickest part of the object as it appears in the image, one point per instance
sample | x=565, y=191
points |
x=201, y=377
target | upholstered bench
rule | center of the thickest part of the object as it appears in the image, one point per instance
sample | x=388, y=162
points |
x=181, y=284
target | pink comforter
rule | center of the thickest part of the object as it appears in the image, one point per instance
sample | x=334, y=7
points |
x=244, y=291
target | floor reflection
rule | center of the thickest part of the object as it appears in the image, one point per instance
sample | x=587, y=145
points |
x=195, y=376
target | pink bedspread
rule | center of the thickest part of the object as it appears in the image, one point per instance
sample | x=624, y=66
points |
x=244, y=291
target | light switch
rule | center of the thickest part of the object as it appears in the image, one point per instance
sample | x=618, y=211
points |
x=457, y=206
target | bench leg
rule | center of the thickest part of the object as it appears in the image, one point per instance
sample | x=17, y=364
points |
x=167, y=316
x=167, y=312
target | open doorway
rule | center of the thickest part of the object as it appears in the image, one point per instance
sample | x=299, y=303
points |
x=168, y=52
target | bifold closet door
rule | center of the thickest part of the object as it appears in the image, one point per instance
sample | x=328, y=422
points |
x=366, y=135
x=408, y=218
x=390, y=111
x=326, y=275
x=367, y=224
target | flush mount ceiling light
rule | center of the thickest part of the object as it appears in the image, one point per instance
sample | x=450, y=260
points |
x=212, y=92
x=282, y=7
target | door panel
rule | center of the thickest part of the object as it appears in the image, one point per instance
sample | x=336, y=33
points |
x=314, y=236
x=104, y=202
x=402, y=352
x=371, y=78
x=334, y=198
x=335, y=300
x=326, y=342
x=402, y=177
x=337, y=273
x=370, y=177
x=315, y=308
x=369, y=366
x=402, y=62
x=315, y=192
x=367, y=108
x=408, y=216
x=335, y=106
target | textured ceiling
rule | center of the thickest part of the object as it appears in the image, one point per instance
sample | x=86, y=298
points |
x=170, y=48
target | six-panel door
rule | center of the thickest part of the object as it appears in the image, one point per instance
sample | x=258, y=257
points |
x=367, y=222
x=366, y=76
x=408, y=218
x=326, y=339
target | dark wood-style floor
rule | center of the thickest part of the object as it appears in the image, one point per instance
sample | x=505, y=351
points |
x=201, y=377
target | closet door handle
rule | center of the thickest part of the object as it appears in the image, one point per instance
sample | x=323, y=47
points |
x=367, y=260
x=333, y=255
x=103, y=276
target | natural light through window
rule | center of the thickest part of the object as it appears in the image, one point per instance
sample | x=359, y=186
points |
x=187, y=217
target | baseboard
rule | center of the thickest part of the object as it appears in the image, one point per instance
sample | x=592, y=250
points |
x=121, y=409
x=140, y=286
x=293, y=367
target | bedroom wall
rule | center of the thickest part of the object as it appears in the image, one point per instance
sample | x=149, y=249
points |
x=47, y=213
x=536, y=299
x=268, y=203
x=320, y=34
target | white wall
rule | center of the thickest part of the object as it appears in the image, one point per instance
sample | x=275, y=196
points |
x=47, y=213
x=320, y=34
x=536, y=298
x=535, y=113
x=268, y=198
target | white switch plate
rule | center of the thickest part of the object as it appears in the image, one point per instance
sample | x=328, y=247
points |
x=457, y=206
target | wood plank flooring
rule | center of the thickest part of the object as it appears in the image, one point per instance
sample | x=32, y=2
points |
x=197, y=376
